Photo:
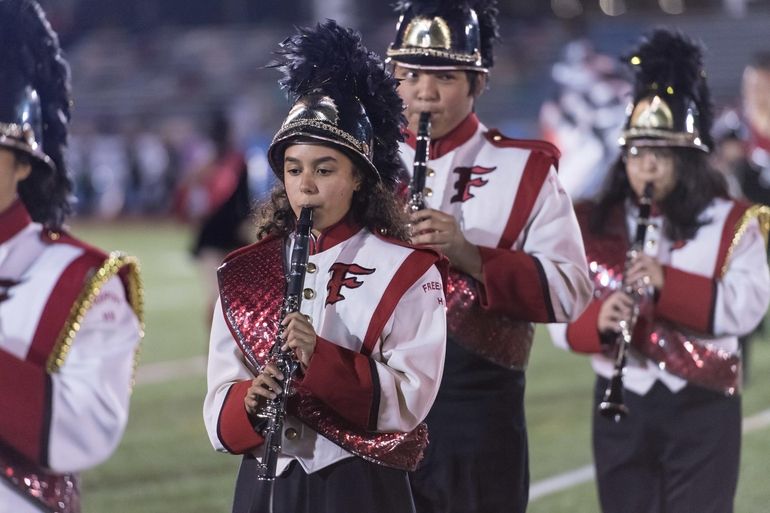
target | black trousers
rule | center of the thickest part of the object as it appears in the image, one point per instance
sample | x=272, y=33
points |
x=352, y=485
x=477, y=458
x=673, y=453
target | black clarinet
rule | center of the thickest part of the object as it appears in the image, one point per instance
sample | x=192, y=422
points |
x=613, y=403
x=275, y=409
x=420, y=167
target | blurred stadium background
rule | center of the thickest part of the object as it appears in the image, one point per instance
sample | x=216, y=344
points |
x=147, y=77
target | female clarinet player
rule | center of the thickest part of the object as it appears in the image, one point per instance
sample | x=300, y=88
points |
x=667, y=427
x=366, y=334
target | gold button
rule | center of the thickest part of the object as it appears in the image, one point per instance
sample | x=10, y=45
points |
x=308, y=293
x=309, y=319
x=497, y=138
x=428, y=192
x=431, y=172
x=53, y=235
x=311, y=267
x=291, y=434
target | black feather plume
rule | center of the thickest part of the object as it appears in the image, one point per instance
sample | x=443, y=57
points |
x=486, y=11
x=490, y=32
x=668, y=59
x=333, y=59
x=28, y=46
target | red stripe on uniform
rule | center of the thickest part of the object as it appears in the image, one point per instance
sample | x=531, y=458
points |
x=58, y=306
x=24, y=405
x=414, y=266
x=535, y=173
x=501, y=141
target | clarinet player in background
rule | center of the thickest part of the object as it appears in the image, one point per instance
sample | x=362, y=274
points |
x=496, y=209
x=70, y=314
x=705, y=273
x=369, y=337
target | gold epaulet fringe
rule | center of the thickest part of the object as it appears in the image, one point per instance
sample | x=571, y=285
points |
x=759, y=212
x=110, y=268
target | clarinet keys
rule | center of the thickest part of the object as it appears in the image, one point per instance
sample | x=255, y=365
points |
x=417, y=189
x=613, y=404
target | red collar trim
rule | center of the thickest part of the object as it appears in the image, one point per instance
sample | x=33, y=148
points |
x=457, y=137
x=13, y=220
x=335, y=234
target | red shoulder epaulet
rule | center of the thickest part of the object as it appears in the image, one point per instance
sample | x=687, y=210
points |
x=441, y=262
x=742, y=205
x=731, y=233
x=403, y=243
x=95, y=259
x=64, y=237
x=494, y=136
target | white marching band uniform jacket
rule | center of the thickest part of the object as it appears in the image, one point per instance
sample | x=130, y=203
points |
x=508, y=201
x=717, y=288
x=380, y=319
x=68, y=344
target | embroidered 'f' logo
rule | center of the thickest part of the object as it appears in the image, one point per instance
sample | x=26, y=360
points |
x=340, y=278
x=464, y=182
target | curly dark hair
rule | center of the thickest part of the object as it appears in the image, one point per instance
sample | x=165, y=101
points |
x=697, y=184
x=374, y=206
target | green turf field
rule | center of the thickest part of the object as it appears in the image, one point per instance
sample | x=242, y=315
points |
x=165, y=462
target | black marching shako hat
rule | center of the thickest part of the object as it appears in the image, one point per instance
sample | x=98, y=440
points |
x=672, y=103
x=343, y=96
x=445, y=34
x=35, y=106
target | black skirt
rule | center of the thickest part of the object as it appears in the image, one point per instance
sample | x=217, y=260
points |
x=352, y=485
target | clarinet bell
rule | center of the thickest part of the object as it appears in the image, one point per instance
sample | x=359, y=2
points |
x=612, y=405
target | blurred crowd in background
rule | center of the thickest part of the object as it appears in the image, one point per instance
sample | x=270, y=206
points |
x=158, y=84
